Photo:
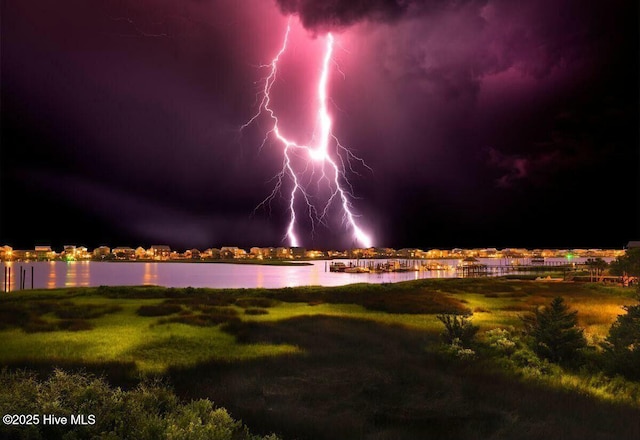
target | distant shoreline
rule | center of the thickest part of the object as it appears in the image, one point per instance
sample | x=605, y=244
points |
x=231, y=261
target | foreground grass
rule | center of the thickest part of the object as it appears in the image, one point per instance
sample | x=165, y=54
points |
x=360, y=379
x=122, y=335
x=129, y=338
x=354, y=361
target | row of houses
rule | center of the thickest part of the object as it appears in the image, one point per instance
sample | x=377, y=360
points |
x=458, y=253
x=154, y=253
x=165, y=253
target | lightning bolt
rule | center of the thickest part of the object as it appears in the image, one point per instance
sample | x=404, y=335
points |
x=318, y=155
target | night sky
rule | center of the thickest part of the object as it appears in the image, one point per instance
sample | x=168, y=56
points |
x=495, y=123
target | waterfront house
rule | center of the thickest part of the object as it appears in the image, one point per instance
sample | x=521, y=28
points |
x=210, y=254
x=160, y=252
x=141, y=253
x=230, y=252
x=410, y=253
x=268, y=252
x=124, y=253
x=44, y=253
x=315, y=254
x=298, y=252
x=102, y=252
x=6, y=253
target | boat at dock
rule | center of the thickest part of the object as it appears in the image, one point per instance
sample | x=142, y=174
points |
x=537, y=260
x=373, y=267
x=356, y=269
x=337, y=267
x=436, y=266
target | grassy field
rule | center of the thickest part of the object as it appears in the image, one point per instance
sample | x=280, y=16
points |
x=359, y=361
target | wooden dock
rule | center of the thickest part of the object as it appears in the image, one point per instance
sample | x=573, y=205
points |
x=466, y=269
x=478, y=270
x=373, y=266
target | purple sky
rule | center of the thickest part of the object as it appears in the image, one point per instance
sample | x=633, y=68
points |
x=493, y=123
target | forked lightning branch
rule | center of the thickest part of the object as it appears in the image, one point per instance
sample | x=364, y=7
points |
x=307, y=169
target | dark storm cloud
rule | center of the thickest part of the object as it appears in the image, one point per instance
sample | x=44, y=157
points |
x=153, y=219
x=329, y=14
x=483, y=62
x=454, y=97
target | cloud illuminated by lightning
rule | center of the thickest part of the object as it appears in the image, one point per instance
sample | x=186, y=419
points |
x=325, y=159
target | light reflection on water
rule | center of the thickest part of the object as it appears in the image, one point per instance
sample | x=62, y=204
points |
x=92, y=273
x=51, y=282
x=150, y=274
x=70, y=275
x=260, y=278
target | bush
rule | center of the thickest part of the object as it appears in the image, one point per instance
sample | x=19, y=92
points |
x=151, y=410
x=529, y=362
x=457, y=327
x=622, y=345
x=555, y=334
x=456, y=349
x=502, y=341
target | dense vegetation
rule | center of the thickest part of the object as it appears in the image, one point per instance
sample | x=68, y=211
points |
x=150, y=411
x=456, y=358
x=554, y=331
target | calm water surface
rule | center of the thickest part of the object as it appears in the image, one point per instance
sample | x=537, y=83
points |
x=57, y=274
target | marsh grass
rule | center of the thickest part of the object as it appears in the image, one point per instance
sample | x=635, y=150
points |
x=358, y=361
x=12, y=316
x=362, y=379
x=384, y=298
x=219, y=299
x=159, y=309
x=208, y=318
x=69, y=310
x=256, y=311
x=38, y=316
x=263, y=303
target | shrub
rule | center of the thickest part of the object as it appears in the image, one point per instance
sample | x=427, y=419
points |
x=151, y=410
x=622, y=345
x=555, y=334
x=502, y=341
x=457, y=350
x=457, y=327
x=530, y=364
